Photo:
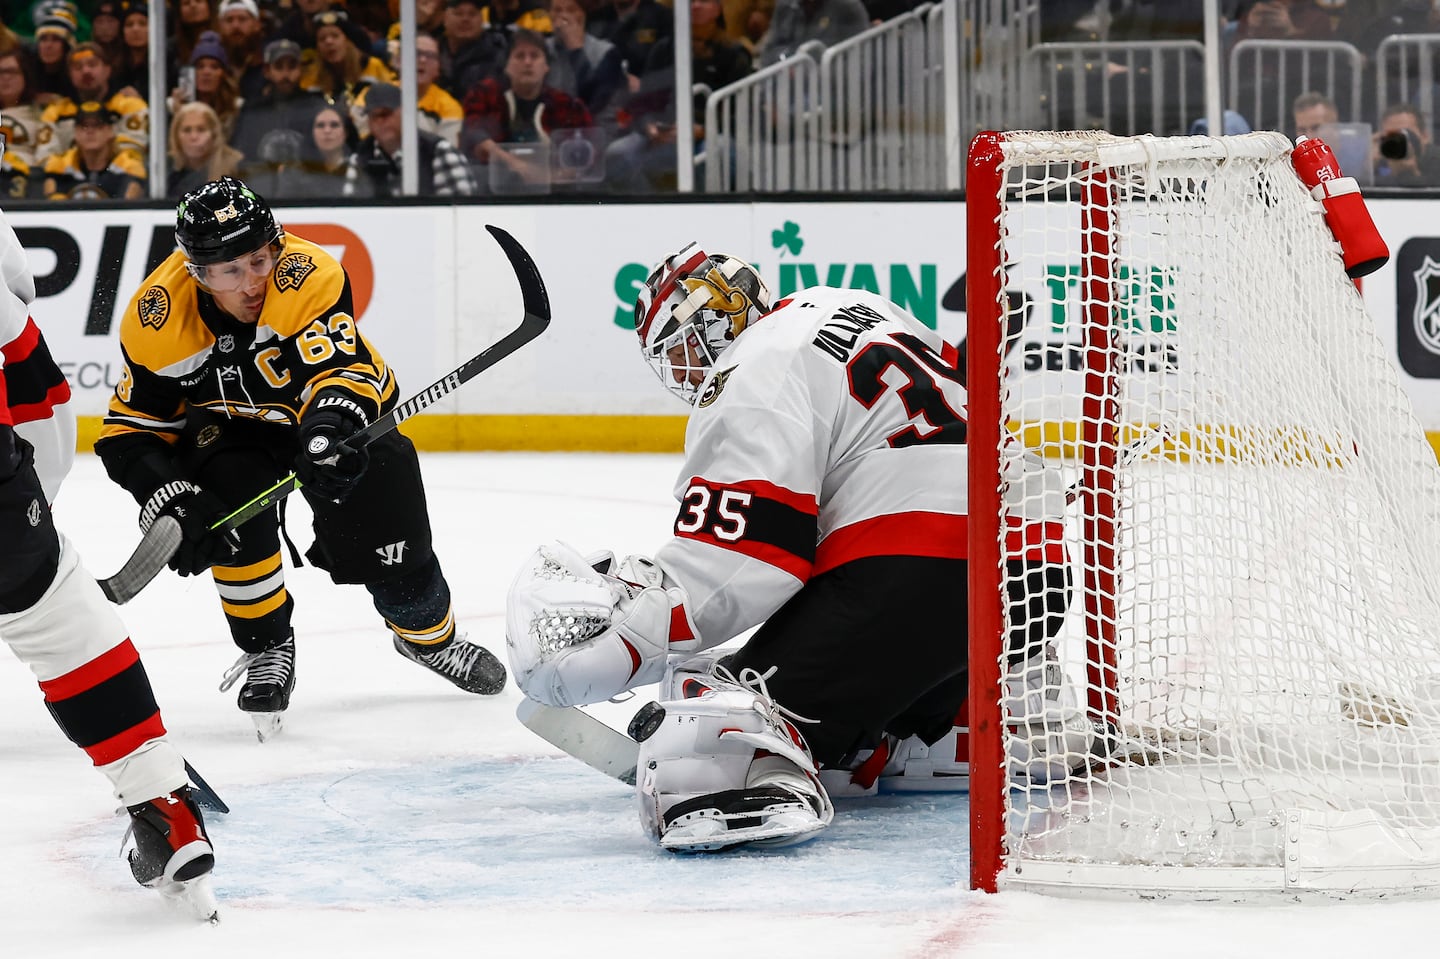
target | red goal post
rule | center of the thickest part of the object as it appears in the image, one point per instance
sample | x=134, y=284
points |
x=1163, y=329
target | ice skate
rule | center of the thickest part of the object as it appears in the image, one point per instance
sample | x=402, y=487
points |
x=471, y=667
x=1050, y=734
x=172, y=853
x=724, y=767
x=269, y=681
x=904, y=765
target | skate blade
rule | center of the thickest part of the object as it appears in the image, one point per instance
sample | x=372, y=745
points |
x=936, y=783
x=195, y=898
x=267, y=725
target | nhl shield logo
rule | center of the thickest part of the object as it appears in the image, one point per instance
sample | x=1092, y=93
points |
x=292, y=270
x=32, y=514
x=1426, y=315
x=154, y=307
x=225, y=343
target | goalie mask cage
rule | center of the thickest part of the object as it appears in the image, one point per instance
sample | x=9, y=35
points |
x=1168, y=364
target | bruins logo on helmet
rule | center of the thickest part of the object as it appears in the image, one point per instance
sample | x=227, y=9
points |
x=154, y=307
x=717, y=383
x=292, y=270
x=207, y=435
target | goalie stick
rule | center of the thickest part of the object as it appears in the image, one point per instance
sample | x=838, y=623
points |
x=583, y=736
x=534, y=322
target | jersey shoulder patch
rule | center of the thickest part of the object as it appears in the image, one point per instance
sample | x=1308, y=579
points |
x=162, y=323
x=308, y=283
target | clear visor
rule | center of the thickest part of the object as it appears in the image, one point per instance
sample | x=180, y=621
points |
x=237, y=274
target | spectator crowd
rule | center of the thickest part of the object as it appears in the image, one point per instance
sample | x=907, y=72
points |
x=301, y=97
x=1311, y=96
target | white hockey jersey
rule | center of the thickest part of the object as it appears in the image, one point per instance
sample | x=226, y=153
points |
x=34, y=396
x=831, y=430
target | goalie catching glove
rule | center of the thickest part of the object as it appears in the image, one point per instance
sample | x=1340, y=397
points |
x=576, y=635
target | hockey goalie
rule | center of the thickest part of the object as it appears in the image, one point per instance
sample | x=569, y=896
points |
x=822, y=504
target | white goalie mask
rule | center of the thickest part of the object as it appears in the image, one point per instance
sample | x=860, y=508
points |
x=693, y=306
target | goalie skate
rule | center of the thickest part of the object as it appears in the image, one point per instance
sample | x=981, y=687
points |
x=723, y=767
x=761, y=816
x=1050, y=733
x=904, y=765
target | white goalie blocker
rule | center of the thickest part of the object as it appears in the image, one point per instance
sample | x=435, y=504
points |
x=722, y=767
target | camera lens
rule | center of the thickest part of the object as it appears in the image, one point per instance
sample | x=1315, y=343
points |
x=1394, y=146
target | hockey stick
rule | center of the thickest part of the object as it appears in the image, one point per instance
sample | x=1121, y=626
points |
x=1148, y=442
x=532, y=324
x=205, y=794
x=583, y=736
x=156, y=547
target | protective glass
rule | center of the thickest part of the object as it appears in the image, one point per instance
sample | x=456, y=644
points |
x=236, y=274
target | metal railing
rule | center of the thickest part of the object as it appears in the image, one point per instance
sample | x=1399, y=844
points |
x=994, y=37
x=1122, y=87
x=1265, y=77
x=1405, y=72
x=881, y=129
x=761, y=133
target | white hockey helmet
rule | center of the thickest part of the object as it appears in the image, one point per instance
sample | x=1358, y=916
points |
x=690, y=309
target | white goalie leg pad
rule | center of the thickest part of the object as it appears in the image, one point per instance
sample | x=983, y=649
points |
x=1049, y=733
x=726, y=769
x=578, y=636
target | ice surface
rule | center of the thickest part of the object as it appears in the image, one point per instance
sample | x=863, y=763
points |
x=397, y=816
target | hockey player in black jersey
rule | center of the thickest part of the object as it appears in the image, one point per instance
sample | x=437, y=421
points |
x=242, y=361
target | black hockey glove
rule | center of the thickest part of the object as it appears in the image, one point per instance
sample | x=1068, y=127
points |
x=328, y=466
x=196, y=510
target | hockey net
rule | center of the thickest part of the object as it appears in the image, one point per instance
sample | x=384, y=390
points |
x=1167, y=361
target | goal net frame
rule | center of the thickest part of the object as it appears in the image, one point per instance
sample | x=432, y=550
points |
x=1319, y=843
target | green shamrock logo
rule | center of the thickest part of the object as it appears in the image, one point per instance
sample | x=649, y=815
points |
x=788, y=237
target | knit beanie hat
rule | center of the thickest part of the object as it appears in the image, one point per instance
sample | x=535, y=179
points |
x=209, y=45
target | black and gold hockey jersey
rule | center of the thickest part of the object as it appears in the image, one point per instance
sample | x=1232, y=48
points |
x=181, y=351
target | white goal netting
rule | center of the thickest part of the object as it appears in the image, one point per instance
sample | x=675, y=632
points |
x=1253, y=527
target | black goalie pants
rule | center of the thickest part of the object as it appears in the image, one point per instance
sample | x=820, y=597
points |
x=879, y=645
